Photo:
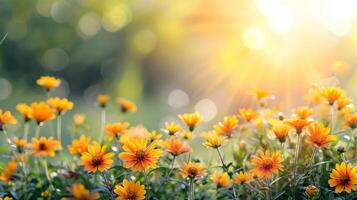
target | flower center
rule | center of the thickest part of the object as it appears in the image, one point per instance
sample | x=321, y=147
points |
x=131, y=195
x=97, y=161
x=192, y=171
x=140, y=155
x=267, y=166
x=345, y=179
x=42, y=146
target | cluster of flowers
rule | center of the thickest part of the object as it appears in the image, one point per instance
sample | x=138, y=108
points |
x=277, y=167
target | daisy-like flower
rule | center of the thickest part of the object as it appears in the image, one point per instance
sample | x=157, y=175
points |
x=242, y=178
x=171, y=128
x=311, y=191
x=7, y=173
x=103, y=100
x=48, y=82
x=343, y=102
x=41, y=112
x=60, y=105
x=25, y=111
x=227, y=127
x=78, y=119
x=319, y=135
x=5, y=119
x=298, y=124
x=126, y=105
x=332, y=94
x=266, y=164
x=191, y=119
x=343, y=177
x=7, y=198
x=192, y=170
x=44, y=146
x=20, y=144
x=80, y=145
x=303, y=112
x=187, y=135
x=212, y=139
x=281, y=131
x=138, y=156
x=116, y=129
x=79, y=192
x=96, y=158
x=175, y=146
x=261, y=94
x=221, y=179
x=351, y=121
x=134, y=133
x=130, y=190
x=248, y=114
x=154, y=136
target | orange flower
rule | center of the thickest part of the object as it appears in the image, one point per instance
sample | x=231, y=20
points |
x=221, y=179
x=20, y=144
x=303, y=112
x=96, y=158
x=242, y=178
x=248, y=114
x=79, y=146
x=116, y=129
x=79, y=119
x=25, y=111
x=191, y=119
x=139, y=157
x=344, y=177
x=298, y=124
x=48, y=82
x=7, y=173
x=332, y=94
x=154, y=136
x=61, y=105
x=175, y=146
x=171, y=128
x=213, y=140
x=130, y=190
x=6, y=118
x=281, y=131
x=134, y=133
x=126, y=105
x=319, y=135
x=44, y=146
x=79, y=192
x=227, y=127
x=103, y=100
x=41, y=112
x=351, y=121
x=343, y=103
x=192, y=170
x=311, y=190
x=265, y=165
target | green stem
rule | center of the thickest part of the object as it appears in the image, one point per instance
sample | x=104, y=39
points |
x=26, y=130
x=172, y=166
x=59, y=127
x=313, y=156
x=7, y=137
x=103, y=116
x=107, y=185
x=297, y=151
x=37, y=132
x=221, y=158
x=332, y=118
x=47, y=173
x=147, y=188
x=191, y=190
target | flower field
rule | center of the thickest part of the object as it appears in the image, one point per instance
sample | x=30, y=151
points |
x=258, y=152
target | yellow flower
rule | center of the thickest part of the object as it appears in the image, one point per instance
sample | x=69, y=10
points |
x=303, y=112
x=343, y=102
x=298, y=124
x=332, y=94
x=41, y=112
x=191, y=119
x=6, y=198
x=171, y=128
x=265, y=165
x=25, y=111
x=175, y=146
x=227, y=127
x=20, y=144
x=103, y=100
x=139, y=157
x=60, y=105
x=154, y=136
x=44, y=146
x=192, y=170
x=48, y=82
x=80, y=145
x=79, y=119
x=351, y=121
x=212, y=139
x=130, y=190
x=116, y=129
x=126, y=105
x=96, y=158
x=6, y=118
x=79, y=192
x=187, y=135
x=343, y=177
x=248, y=114
x=242, y=178
x=319, y=135
x=221, y=179
x=260, y=94
x=281, y=131
x=7, y=173
x=311, y=190
x=134, y=133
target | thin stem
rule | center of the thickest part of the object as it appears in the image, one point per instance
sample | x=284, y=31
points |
x=47, y=173
x=147, y=188
x=59, y=127
x=172, y=166
x=107, y=185
x=26, y=130
x=37, y=132
x=191, y=191
x=297, y=151
x=332, y=118
x=103, y=115
x=282, y=150
x=268, y=191
x=7, y=137
x=221, y=158
x=313, y=156
x=234, y=192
